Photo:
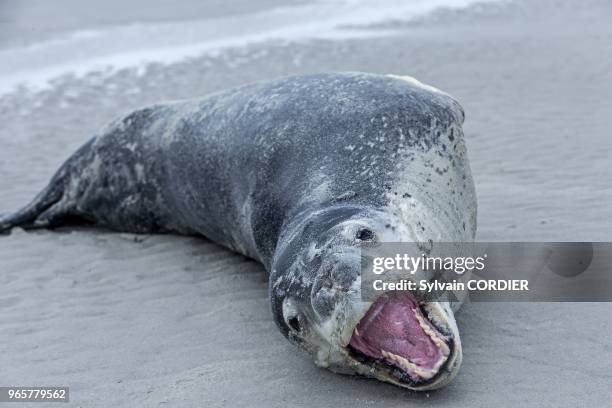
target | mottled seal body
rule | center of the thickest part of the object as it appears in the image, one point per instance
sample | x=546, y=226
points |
x=297, y=173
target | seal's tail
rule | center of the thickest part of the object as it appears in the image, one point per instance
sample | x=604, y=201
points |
x=43, y=211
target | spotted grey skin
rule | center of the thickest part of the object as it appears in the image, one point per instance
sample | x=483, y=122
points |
x=297, y=173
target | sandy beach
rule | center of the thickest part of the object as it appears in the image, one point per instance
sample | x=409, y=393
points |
x=135, y=320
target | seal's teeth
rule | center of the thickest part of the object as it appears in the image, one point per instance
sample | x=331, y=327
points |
x=356, y=332
x=441, y=344
x=409, y=365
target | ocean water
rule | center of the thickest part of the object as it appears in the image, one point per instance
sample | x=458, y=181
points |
x=111, y=46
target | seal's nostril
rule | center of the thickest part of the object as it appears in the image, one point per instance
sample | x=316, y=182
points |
x=365, y=234
x=291, y=316
x=294, y=323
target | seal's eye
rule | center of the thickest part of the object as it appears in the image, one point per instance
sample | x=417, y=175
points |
x=365, y=234
x=327, y=283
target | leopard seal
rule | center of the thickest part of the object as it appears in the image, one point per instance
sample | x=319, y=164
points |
x=298, y=173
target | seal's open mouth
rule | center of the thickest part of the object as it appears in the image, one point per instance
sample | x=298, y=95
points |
x=394, y=334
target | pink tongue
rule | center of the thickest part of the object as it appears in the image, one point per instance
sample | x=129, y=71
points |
x=391, y=325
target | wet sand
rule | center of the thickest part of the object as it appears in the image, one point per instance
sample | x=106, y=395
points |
x=128, y=320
